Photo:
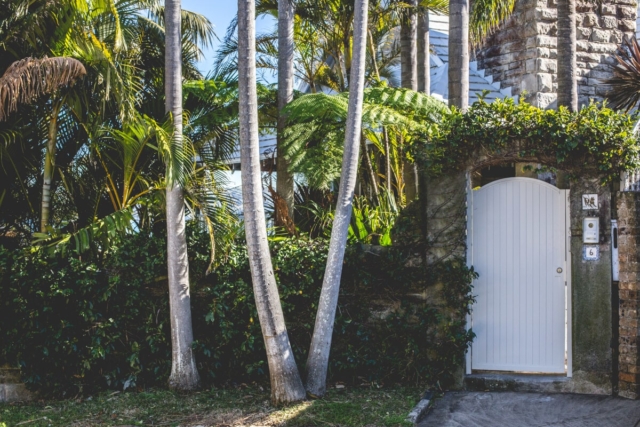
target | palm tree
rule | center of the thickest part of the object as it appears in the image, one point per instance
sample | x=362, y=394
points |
x=184, y=374
x=284, y=183
x=23, y=82
x=567, y=83
x=286, y=385
x=318, y=359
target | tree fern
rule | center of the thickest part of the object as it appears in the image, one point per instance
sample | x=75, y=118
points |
x=316, y=125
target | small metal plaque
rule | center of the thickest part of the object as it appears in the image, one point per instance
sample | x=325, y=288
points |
x=589, y=202
x=591, y=253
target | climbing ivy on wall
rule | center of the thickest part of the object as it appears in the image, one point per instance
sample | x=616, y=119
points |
x=595, y=140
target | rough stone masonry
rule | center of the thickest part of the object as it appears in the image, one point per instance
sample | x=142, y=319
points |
x=522, y=54
x=628, y=206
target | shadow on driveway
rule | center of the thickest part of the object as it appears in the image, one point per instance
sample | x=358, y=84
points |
x=486, y=409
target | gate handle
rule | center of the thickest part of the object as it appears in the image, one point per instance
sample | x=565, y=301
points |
x=559, y=270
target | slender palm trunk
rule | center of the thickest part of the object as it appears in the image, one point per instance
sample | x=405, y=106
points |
x=424, y=57
x=184, y=374
x=567, y=84
x=409, y=49
x=286, y=385
x=284, y=179
x=424, y=85
x=409, y=77
x=370, y=171
x=318, y=360
x=49, y=166
x=459, y=53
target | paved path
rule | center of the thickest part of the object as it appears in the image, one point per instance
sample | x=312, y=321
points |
x=485, y=409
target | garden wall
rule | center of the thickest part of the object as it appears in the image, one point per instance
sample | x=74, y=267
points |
x=628, y=207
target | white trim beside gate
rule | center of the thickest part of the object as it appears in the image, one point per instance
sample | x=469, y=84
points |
x=516, y=186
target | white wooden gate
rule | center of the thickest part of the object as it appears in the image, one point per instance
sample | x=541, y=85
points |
x=517, y=242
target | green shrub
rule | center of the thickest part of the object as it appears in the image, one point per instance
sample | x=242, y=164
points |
x=75, y=324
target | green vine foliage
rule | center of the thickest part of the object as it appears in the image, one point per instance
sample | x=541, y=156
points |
x=595, y=140
x=76, y=324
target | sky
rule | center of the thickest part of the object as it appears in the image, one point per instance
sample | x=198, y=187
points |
x=220, y=13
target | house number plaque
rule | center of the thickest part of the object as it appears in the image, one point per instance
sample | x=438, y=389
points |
x=591, y=253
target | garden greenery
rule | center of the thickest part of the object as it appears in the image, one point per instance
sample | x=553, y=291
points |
x=83, y=323
x=595, y=140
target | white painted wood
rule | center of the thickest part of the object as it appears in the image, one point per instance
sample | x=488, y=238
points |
x=517, y=244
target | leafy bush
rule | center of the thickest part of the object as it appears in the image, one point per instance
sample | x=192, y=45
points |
x=595, y=140
x=77, y=324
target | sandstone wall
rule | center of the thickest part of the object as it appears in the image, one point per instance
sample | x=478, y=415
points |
x=628, y=205
x=522, y=55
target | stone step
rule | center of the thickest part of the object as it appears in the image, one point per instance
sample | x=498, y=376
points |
x=517, y=382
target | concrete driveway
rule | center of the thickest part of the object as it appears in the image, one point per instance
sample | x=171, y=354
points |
x=486, y=409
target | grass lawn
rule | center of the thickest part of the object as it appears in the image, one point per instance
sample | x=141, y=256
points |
x=229, y=407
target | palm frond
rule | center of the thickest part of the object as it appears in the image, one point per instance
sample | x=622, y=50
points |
x=29, y=78
x=625, y=83
x=103, y=231
x=486, y=17
x=441, y=7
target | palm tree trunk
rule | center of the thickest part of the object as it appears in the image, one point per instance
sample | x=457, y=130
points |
x=409, y=77
x=424, y=56
x=408, y=48
x=387, y=159
x=567, y=84
x=318, y=360
x=370, y=171
x=284, y=179
x=184, y=374
x=286, y=385
x=459, y=54
x=49, y=166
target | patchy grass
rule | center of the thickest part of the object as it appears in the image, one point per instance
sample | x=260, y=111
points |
x=241, y=407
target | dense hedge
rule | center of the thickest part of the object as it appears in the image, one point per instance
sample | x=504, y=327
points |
x=595, y=140
x=77, y=324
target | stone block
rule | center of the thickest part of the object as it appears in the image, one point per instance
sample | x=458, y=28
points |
x=608, y=9
x=544, y=65
x=599, y=75
x=608, y=22
x=588, y=57
x=582, y=46
x=546, y=14
x=627, y=25
x=545, y=41
x=14, y=393
x=615, y=37
x=607, y=48
x=626, y=12
x=583, y=33
x=586, y=90
x=628, y=377
x=543, y=100
x=600, y=36
x=589, y=20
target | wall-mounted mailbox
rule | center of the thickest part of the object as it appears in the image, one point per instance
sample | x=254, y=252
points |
x=590, y=230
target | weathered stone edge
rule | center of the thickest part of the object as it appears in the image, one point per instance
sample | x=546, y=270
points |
x=419, y=410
